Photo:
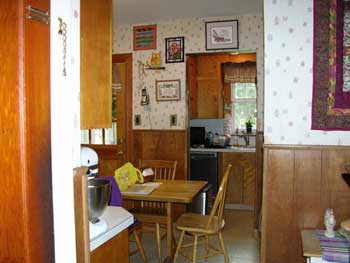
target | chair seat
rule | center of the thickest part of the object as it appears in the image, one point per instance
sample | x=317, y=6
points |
x=150, y=214
x=197, y=223
x=136, y=225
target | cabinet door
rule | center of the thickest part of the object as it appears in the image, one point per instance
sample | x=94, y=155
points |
x=114, y=250
x=241, y=188
x=192, y=84
x=96, y=64
x=206, y=89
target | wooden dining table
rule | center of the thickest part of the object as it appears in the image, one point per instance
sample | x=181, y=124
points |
x=170, y=192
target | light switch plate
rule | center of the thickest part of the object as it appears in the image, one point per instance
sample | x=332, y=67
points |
x=137, y=120
x=173, y=120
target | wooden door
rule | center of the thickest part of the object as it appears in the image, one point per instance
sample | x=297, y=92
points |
x=25, y=148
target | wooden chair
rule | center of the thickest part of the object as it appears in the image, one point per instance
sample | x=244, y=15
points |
x=116, y=200
x=153, y=214
x=198, y=225
x=134, y=231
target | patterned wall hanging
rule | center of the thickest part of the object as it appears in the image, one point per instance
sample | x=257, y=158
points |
x=145, y=37
x=331, y=85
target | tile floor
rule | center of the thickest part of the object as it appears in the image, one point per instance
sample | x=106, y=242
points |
x=238, y=233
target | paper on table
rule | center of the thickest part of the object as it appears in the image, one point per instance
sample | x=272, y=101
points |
x=142, y=189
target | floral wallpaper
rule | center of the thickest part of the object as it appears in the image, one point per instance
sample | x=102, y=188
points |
x=156, y=115
x=288, y=38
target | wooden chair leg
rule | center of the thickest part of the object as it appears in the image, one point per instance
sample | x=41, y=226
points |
x=194, y=258
x=139, y=246
x=179, y=245
x=223, y=247
x=159, y=244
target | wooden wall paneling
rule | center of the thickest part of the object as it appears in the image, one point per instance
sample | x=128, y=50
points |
x=300, y=182
x=307, y=163
x=339, y=192
x=162, y=144
x=279, y=208
x=96, y=64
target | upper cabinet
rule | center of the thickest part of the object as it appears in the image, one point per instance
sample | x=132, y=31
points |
x=96, y=64
x=205, y=85
x=208, y=93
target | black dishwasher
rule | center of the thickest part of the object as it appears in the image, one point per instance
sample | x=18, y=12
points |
x=204, y=167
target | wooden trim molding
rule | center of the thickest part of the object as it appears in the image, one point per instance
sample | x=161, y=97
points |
x=305, y=147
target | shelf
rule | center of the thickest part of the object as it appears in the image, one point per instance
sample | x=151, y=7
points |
x=155, y=68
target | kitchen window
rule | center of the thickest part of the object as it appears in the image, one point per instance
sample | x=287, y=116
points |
x=243, y=104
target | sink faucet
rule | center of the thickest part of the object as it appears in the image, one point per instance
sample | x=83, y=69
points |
x=246, y=139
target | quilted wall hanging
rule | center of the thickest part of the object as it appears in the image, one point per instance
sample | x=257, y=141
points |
x=331, y=65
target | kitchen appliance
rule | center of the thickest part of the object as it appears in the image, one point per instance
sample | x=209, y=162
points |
x=99, y=192
x=204, y=167
x=197, y=136
x=89, y=158
x=219, y=141
x=202, y=202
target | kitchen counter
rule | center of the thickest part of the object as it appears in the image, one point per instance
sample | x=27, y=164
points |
x=231, y=149
x=117, y=219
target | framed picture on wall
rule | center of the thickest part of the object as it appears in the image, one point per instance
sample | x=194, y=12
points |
x=174, y=49
x=145, y=37
x=167, y=90
x=221, y=35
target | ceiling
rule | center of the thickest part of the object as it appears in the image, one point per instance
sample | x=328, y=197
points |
x=140, y=11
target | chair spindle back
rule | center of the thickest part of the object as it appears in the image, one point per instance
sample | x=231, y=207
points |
x=219, y=204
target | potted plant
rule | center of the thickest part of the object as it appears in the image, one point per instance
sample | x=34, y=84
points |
x=249, y=125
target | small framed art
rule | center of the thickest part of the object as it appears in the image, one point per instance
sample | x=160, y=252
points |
x=167, y=90
x=221, y=35
x=174, y=49
x=145, y=37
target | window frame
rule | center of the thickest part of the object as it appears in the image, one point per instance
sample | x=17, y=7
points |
x=242, y=101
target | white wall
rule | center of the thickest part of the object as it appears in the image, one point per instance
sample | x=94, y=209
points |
x=156, y=115
x=65, y=131
x=288, y=26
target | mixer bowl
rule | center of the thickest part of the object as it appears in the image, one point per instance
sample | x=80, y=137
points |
x=99, y=192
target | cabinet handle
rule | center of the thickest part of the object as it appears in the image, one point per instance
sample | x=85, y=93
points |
x=120, y=153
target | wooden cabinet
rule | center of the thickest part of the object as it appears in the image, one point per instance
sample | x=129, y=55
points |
x=205, y=87
x=114, y=250
x=207, y=92
x=96, y=64
x=241, y=188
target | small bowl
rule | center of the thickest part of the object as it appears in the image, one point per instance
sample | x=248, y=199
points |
x=99, y=192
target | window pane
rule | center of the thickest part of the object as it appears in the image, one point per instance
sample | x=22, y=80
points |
x=84, y=137
x=111, y=134
x=242, y=112
x=244, y=90
x=96, y=136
